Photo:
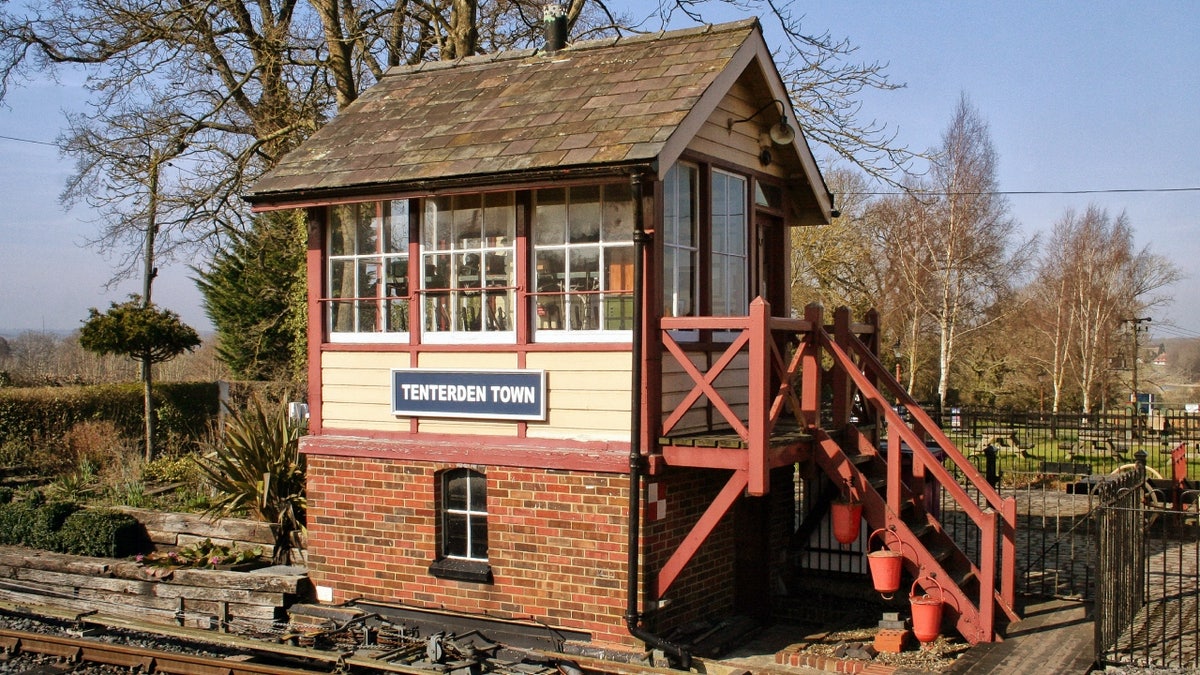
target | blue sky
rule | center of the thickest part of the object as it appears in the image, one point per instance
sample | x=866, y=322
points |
x=1079, y=96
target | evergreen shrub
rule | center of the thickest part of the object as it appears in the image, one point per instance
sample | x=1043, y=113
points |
x=103, y=533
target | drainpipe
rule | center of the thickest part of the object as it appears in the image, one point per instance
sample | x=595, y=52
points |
x=632, y=617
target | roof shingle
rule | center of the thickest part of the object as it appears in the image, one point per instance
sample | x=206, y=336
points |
x=599, y=102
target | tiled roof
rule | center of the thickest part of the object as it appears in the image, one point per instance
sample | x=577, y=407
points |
x=601, y=102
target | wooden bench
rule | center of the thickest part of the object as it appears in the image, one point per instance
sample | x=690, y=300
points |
x=1006, y=440
x=1092, y=440
x=1074, y=468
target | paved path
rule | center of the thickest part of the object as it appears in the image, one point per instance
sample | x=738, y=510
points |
x=1055, y=636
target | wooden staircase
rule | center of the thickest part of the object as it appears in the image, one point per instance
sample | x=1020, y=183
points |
x=875, y=469
x=788, y=390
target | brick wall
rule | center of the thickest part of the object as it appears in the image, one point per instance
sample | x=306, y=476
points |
x=556, y=542
x=703, y=588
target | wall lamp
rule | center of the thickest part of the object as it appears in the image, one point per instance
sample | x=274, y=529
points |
x=781, y=134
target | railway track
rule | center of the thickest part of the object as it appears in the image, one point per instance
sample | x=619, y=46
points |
x=369, y=647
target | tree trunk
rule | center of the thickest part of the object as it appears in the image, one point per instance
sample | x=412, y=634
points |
x=147, y=370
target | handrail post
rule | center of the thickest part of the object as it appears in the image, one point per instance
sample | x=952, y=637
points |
x=810, y=381
x=1008, y=554
x=894, y=460
x=841, y=382
x=760, y=396
x=987, y=574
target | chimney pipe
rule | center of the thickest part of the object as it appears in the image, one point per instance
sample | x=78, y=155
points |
x=554, y=25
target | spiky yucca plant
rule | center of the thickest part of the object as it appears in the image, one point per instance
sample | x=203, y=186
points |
x=256, y=467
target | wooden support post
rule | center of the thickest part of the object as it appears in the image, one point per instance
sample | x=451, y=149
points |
x=843, y=393
x=1008, y=551
x=895, y=460
x=987, y=577
x=760, y=398
x=700, y=531
x=810, y=380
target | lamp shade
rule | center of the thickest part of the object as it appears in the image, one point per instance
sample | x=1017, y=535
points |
x=782, y=133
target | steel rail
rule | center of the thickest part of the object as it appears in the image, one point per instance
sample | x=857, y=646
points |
x=76, y=650
x=145, y=660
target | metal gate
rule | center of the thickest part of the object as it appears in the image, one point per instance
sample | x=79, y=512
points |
x=1147, y=591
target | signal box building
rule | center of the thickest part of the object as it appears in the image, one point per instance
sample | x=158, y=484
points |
x=554, y=375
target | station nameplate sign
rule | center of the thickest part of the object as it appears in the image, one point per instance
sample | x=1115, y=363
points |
x=480, y=394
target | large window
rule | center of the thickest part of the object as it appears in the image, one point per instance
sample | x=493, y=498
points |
x=468, y=250
x=368, y=269
x=449, y=265
x=583, y=260
x=680, y=249
x=730, y=259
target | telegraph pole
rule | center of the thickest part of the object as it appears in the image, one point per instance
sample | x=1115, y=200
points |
x=1135, y=327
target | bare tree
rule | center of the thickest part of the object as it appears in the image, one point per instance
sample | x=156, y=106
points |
x=958, y=247
x=222, y=89
x=1089, y=279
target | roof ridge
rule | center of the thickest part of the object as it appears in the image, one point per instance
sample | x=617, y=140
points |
x=585, y=45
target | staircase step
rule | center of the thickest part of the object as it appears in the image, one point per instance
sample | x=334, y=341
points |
x=860, y=460
x=940, y=550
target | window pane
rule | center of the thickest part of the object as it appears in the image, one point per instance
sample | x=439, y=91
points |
x=585, y=269
x=499, y=219
x=550, y=219
x=478, y=491
x=468, y=271
x=468, y=220
x=685, y=210
x=768, y=195
x=550, y=271
x=499, y=310
x=584, y=214
x=620, y=268
x=366, y=229
x=737, y=287
x=455, y=540
x=437, y=271
x=457, y=485
x=685, y=301
x=720, y=289
x=395, y=226
x=341, y=316
x=438, y=224
x=341, y=230
x=618, y=213
x=479, y=538
x=498, y=269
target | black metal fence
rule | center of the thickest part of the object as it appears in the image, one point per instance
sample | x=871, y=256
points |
x=1147, y=590
x=1055, y=465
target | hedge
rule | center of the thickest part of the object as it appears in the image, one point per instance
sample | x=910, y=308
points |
x=32, y=416
x=66, y=528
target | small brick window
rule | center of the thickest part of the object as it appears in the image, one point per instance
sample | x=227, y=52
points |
x=462, y=527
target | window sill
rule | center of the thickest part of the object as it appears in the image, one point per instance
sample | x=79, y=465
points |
x=476, y=571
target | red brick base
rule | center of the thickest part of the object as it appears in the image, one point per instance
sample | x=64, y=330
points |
x=793, y=656
x=892, y=641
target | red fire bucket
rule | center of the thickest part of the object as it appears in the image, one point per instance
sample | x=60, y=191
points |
x=885, y=565
x=847, y=520
x=926, y=612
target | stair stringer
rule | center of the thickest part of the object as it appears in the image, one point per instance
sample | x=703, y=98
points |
x=919, y=560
